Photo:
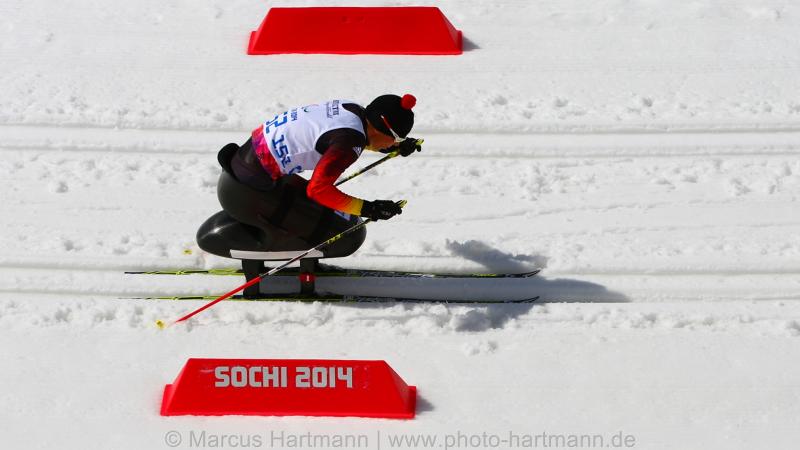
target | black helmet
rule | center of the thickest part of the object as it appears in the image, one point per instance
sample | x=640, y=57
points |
x=390, y=112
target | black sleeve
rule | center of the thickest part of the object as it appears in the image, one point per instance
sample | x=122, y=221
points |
x=340, y=137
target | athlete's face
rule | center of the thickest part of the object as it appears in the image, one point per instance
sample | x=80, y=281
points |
x=378, y=140
x=383, y=141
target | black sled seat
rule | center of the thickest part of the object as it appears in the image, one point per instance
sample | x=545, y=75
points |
x=275, y=225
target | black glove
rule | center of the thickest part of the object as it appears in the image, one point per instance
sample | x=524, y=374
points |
x=409, y=146
x=380, y=209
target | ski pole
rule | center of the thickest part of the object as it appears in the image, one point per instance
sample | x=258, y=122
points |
x=257, y=279
x=376, y=163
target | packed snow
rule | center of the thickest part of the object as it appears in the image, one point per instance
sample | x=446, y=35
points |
x=644, y=153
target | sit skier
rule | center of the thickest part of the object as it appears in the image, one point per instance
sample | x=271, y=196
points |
x=259, y=186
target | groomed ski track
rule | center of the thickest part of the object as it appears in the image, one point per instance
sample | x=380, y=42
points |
x=644, y=153
x=674, y=218
x=600, y=210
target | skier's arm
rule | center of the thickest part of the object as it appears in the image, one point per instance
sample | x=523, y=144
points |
x=321, y=186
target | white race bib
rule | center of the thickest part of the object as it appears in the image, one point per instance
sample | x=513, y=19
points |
x=292, y=136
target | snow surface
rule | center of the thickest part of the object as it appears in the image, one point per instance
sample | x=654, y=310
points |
x=645, y=152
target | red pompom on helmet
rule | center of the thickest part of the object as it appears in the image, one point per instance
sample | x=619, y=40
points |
x=408, y=101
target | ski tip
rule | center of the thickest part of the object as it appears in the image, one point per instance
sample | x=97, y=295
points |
x=160, y=324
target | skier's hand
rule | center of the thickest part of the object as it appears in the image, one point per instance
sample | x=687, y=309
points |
x=380, y=209
x=409, y=146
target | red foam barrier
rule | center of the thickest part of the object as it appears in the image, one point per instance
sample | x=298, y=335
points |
x=289, y=387
x=417, y=30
